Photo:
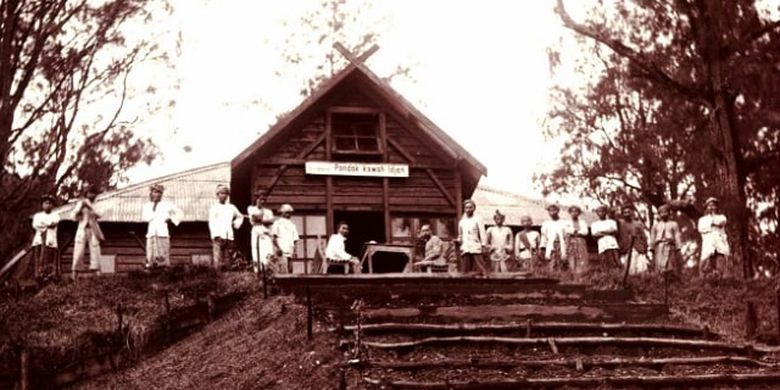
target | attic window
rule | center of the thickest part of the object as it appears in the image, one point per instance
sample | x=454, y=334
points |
x=355, y=134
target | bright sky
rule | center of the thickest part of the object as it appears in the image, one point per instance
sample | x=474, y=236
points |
x=479, y=71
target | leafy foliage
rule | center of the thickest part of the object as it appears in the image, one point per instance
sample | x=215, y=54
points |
x=683, y=107
x=64, y=68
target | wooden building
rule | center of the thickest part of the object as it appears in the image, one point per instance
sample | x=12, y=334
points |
x=357, y=151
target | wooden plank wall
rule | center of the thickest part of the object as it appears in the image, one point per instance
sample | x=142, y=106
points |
x=187, y=239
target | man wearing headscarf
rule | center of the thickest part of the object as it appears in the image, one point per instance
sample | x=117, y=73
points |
x=714, y=241
x=499, y=243
x=577, y=247
x=665, y=240
x=158, y=213
x=632, y=241
x=605, y=231
x=224, y=217
x=554, y=238
x=471, y=238
x=88, y=232
x=285, y=235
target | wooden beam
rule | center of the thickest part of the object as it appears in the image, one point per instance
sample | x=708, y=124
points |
x=385, y=181
x=351, y=57
x=328, y=179
x=441, y=187
x=353, y=110
x=459, y=193
x=275, y=180
x=400, y=150
x=305, y=152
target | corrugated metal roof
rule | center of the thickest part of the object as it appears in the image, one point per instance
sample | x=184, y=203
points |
x=192, y=190
x=514, y=206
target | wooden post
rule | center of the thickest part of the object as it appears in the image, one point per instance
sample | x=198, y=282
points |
x=458, y=213
x=751, y=320
x=528, y=328
x=309, y=315
x=777, y=302
x=385, y=181
x=211, y=304
x=167, y=323
x=329, y=222
x=24, y=370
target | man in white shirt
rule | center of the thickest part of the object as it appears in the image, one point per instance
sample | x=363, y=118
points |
x=714, y=241
x=336, y=251
x=158, y=213
x=554, y=238
x=499, y=243
x=605, y=231
x=262, y=243
x=472, y=239
x=44, y=245
x=527, y=243
x=88, y=232
x=285, y=235
x=224, y=217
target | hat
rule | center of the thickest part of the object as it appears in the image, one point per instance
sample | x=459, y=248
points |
x=156, y=187
x=552, y=206
x=601, y=207
x=711, y=199
x=286, y=208
x=664, y=207
x=48, y=197
x=575, y=207
x=498, y=214
x=467, y=201
x=222, y=188
x=627, y=206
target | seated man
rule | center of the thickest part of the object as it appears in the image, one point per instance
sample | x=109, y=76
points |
x=336, y=252
x=433, y=250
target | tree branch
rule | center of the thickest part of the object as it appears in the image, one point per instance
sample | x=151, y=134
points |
x=749, y=38
x=650, y=69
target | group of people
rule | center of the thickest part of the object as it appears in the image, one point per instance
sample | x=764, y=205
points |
x=562, y=243
x=273, y=239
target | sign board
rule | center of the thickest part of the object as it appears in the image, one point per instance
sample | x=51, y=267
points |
x=338, y=168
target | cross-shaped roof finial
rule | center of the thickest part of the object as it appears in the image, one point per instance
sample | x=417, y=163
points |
x=351, y=57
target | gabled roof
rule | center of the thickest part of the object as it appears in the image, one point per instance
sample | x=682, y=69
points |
x=385, y=90
x=193, y=191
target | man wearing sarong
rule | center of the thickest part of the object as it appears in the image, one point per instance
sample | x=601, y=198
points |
x=261, y=218
x=499, y=243
x=158, y=213
x=605, y=231
x=632, y=241
x=433, y=250
x=285, y=235
x=44, y=244
x=224, y=217
x=527, y=243
x=665, y=239
x=554, y=239
x=336, y=251
x=471, y=238
x=88, y=232
x=714, y=241
x=576, y=244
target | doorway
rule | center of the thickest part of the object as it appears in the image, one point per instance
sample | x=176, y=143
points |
x=364, y=226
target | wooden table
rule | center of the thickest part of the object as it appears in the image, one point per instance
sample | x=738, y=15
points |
x=369, y=249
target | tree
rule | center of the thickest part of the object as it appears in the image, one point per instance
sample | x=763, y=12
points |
x=64, y=68
x=308, y=51
x=710, y=66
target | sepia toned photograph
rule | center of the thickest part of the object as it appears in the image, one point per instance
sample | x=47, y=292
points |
x=389, y=194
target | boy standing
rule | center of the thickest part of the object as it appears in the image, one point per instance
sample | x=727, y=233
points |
x=224, y=217
x=714, y=241
x=554, y=238
x=471, y=238
x=605, y=230
x=285, y=235
x=158, y=212
x=665, y=241
x=44, y=245
x=499, y=243
x=527, y=244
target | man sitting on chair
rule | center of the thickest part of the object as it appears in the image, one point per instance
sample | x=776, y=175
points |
x=336, y=252
x=433, y=250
